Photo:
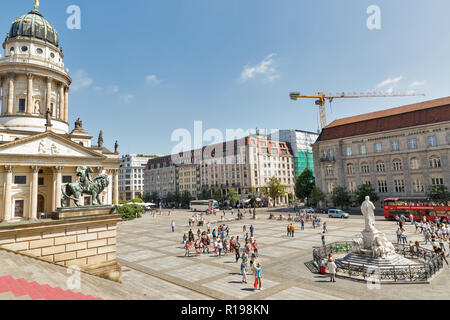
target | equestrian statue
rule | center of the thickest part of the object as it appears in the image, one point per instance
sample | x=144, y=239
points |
x=85, y=186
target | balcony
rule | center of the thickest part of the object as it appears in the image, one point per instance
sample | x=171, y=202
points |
x=327, y=159
x=31, y=59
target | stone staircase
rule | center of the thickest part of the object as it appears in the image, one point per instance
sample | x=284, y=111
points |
x=13, y=289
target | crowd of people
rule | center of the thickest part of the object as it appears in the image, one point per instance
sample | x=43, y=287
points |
x=219, y=241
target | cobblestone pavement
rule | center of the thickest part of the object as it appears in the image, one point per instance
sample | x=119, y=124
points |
x=155, y=265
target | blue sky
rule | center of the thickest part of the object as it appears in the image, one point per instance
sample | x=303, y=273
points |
x=143, y=68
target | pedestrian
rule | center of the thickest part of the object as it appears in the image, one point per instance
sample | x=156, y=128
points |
x=288, y=231
x=244, y=271
x=216, y=245
x=332, y=268
x=323, y=239
x=252, y=229
x=439, y=251
x=399, y=235
x=173, y=226
x=237, y=250
x=404, y=237
x=325, y=229
x=220, y=248
x=258, y=272
x=292, y=230
x=255, y=248
x=303, y=224
x=187, y=246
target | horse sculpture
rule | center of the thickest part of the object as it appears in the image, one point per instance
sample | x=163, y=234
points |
x=73, y=191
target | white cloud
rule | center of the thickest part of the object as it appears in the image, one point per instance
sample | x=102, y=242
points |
x=265, y=69
x=81, y=80
x=389, y=81
x=417, y=83
x=127, y=98
x=152, y=79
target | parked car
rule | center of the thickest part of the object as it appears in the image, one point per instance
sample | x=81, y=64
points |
x=337, y=213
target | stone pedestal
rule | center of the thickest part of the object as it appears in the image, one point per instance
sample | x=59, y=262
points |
x=77, y=212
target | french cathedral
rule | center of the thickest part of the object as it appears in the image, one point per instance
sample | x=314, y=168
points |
x=38, y=151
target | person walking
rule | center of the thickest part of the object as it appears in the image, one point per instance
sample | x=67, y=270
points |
x=244, y=271
x=404, y=237
x=187, y=246
x=399, y=235
x=237, y=249
x=323, y=239
x=255, y=248
x=258, y=275
x=303, y=224
x=332, y=268
x=220, y=246
x=292, y=230
x=173, y=226
x=288, y=231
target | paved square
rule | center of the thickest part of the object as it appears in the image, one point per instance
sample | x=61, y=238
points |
x=139, y=255
x=165, y=263
x=198, y=272
x=232, y=286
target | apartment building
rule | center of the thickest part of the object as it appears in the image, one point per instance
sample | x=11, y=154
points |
x=131, y=176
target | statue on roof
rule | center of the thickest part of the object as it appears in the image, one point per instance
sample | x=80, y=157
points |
x=48, y=116
x=100, y=139
x=36, y=4
x=116, y=147
x=78, y=124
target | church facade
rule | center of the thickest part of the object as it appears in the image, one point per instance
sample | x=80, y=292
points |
x=38, y=152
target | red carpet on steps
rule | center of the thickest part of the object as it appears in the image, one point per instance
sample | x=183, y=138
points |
x=36, y=291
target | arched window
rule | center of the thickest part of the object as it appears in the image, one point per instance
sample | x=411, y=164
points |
x=397, y=165
x=381, y=167
x=350, y=168
x=435, y=162
x=414, y=163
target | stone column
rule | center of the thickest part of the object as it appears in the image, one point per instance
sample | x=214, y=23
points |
x=58, y=185
x=66, y=104
x=48, y=95
x=61, y=102
x=2, y=85
x=116, y=187
x=10, y=94
x=34, y=193
x=30, y=94
x=8, y=186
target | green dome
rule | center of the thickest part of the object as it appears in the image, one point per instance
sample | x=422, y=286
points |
x=33, y=25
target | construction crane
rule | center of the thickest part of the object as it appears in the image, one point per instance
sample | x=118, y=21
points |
x=322, y=97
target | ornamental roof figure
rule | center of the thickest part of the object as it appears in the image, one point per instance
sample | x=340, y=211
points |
x=33, y=25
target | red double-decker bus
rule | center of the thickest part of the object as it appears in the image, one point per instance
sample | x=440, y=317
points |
x=430, y=209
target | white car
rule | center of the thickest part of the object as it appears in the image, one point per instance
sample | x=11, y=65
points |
x=337, y=213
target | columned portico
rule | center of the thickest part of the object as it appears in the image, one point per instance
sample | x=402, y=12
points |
x=58, y=185
x=7, y=212
x=116, y=187
x=10, y=93
x=34, y=193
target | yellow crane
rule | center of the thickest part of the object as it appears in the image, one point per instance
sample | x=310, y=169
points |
x=322, y=97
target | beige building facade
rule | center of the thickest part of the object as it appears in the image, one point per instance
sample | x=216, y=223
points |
x=38, y=153
x=401, y=152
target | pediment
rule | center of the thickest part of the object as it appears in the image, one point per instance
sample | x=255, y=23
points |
x=48, y=144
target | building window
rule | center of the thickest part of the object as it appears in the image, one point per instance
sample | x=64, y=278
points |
x=437, y=181
x=363, y=149
x=380, y=166
x=397, y=165
x=21, y=105
x=418, y=185
x=350, y=168
x=412, y=143
x=18, y=208
x=41, y=181
x=414, y=164
x=67, y=179
x=330, y=187
x=365, y=167
x=378, y=147
x=435, y=162
x=399, y=186
x=349, y=151
x=395, y=145
x=352, y=186
x=330, y=171
x=432, y=141
x=20, y=180
x=382, y=186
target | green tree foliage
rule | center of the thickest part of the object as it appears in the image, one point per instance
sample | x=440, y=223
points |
x=316, y=196
x=130, y=211
x=186, y=198
x=274, y=189
x=205, y=194
x=438, y=193
x=217, y=195
x=341, y=197
x=233, y=196
x=170, y=197
x=151, y=197
x=137, y=200
x=253, y=196
x=304, y=184
x=365, y=190
x=177, y=197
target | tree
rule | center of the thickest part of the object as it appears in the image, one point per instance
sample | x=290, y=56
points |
x=274, y=189
x=186, y=198
x=137, y=200
x=170, y=197
x=438, y=193
x=365, y=190
x=253, y=196
x=205, y=194
x=316, y=196
x=151, y=197
x=177, y=198
x=217, y=195
x=304, y=184
x=341, y=197
x=233, y=196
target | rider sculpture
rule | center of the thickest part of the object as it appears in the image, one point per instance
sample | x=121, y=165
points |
x=86, y=185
